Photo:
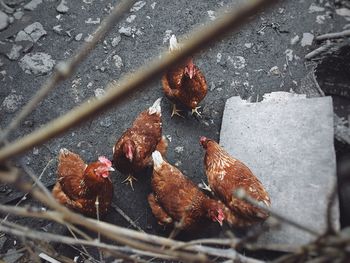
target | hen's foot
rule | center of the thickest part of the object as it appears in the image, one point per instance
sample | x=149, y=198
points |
x=129, y=180
x=175, y=111
x=195, y=110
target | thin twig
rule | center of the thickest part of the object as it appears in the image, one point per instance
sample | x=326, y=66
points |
x=319, y=50
x=64, y=70
x=331, y=200
x=342, y=34
x=126, y=217
x=200, y=39
x=241, y=194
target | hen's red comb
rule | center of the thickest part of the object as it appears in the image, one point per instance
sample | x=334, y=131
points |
x=202, y=139
x=104, y=160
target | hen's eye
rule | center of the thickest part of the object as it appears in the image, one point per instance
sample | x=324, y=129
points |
x=95, y=170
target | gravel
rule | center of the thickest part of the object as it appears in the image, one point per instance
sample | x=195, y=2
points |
x=4, y=20
x=37, y=63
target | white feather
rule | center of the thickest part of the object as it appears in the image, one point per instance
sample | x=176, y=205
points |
x=173, y=44
x=155, y=108
x=157, y=159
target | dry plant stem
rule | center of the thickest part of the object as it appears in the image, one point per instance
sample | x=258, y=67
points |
x=200, y=39
x=25, y=196
x=331, y=200
x=126, y=217
x=345, y=33
x=319, y=50
x=66, y=69
x=241, y=194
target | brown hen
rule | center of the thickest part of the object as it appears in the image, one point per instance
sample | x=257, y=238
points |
x=177, y=201
x=226, y=174
x=132, y=152
x=184, y=84
x=79, y=185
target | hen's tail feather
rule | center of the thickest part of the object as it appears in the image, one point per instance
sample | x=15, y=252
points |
x=155, y=108
x=157, y=159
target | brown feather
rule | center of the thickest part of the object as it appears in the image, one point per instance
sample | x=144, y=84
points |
x=146, y=133
x=176, y=197
x=226, y=174
x=77, y=186
x=182, y=90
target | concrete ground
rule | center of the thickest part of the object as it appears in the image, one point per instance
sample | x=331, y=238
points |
x=265, y=55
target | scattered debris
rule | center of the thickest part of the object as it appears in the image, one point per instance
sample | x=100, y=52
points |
x=32, y=5
x=36, y=31
x=289, y=54
x=12, y=103
x=179, y=149
x=62, y=7
x=126, y=31
x=4, y=20
x=294, y=40
x=118, y=62
x=18, y=15
x=78, y=37
x=137, y=6
x=94, y=22
x=218, y=57
x=116, y=40
x=238, y=62
x=307, y=39
x=153, y=5
x=99, y=92
x=211, y=15
x=15, y=52
x=57, y=29
x=315, y=8
x=12, y=256
x=275, y=71
x=130, y=18
x=320, y=19
x=248, y=45
x=37, y=63
x=88, y=38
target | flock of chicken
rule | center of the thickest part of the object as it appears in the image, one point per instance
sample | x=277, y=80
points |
x=176, y=200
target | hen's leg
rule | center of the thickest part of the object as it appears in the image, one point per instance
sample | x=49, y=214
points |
x=195, y=110
x=158, y=211
x=162, y=146
x=176, y=111
x=129, y=180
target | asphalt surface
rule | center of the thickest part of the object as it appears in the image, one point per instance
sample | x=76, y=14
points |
x=265, y=55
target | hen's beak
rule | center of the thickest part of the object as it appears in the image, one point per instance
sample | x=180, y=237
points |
x=111, y=169
x=219, y=221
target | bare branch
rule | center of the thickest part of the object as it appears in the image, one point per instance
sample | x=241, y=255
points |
x=331, y=200
x=241, y=194
x=343, y=34
x=319, y=50
x=200, y=39
x=64, y=70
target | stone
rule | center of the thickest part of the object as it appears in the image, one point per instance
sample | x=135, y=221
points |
x=78, y=37
x=287, y=141
x=37, y=63
x=137, y=6
x=127, y=31
x=36, y=31
x=23, y=36
x=307, y=39
x=12, y=103
x=32, y=5
x=315, y=8
x=4, y=20
x=118, y=62
x=211, y=15
x=62, y=7
x=294, y=40
x=99, y=92
x=116, y=40
x=14, y=54
x=18, y=15
x=130, y=18
x=57, y=29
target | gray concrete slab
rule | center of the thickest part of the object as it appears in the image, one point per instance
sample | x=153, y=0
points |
x=287, y=141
